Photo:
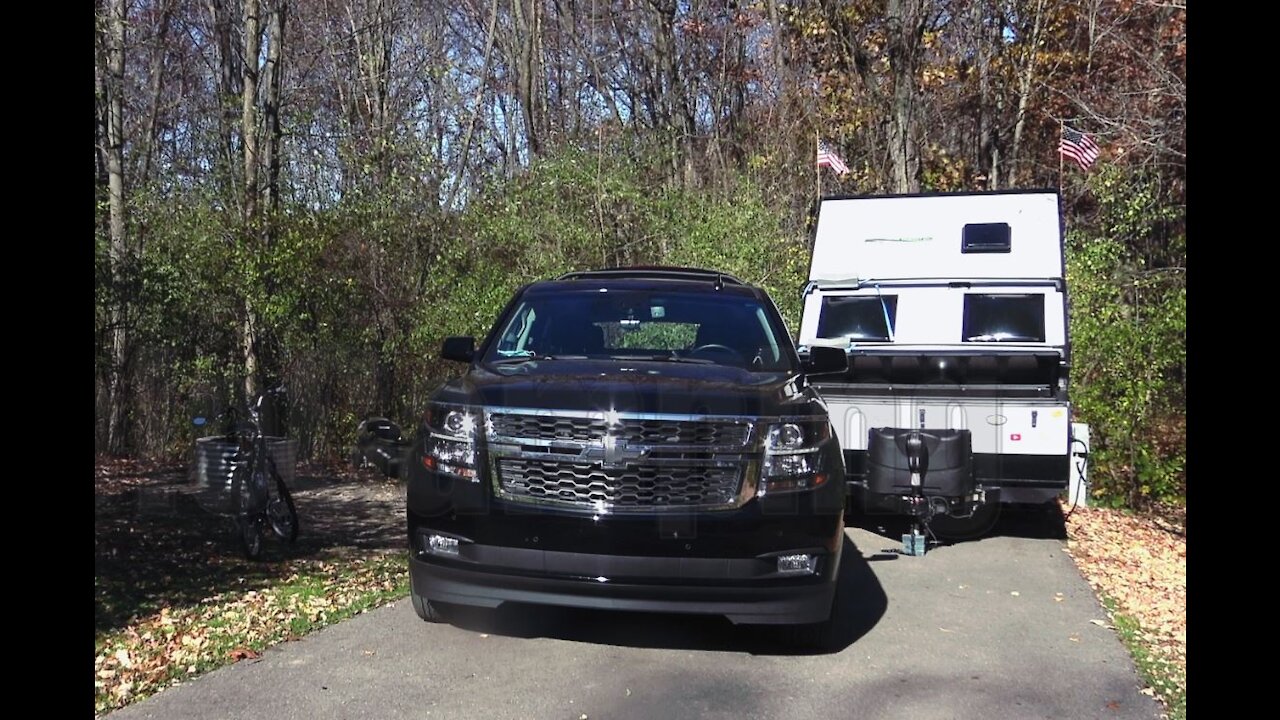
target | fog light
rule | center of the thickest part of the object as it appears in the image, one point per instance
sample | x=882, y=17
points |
x=442, y=545
x=797, y=564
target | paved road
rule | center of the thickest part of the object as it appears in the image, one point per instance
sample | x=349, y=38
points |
x=1003, y=627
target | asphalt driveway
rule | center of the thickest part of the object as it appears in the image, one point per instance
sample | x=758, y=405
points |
x=1002, y=627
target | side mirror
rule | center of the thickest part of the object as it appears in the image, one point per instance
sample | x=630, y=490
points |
x=826, y=361
x=462, y=349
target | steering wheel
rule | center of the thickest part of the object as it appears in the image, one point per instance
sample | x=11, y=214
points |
x=715, y=347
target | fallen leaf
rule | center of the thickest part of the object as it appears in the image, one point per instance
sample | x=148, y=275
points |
x=244, y=653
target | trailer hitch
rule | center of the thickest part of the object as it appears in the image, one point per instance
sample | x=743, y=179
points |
x=913, y=543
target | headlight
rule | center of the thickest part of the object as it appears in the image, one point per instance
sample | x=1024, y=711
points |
x=784, y=438
x=792, y=457
x=451, y=441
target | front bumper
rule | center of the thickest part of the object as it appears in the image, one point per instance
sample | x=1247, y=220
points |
x=737, y=588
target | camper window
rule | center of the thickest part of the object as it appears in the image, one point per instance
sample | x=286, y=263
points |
x=1003, y=318
x=858, y=318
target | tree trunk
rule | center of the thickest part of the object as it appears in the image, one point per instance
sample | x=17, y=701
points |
x=249, y=136
x=676, y=113
x=371, y=36
x=118, y=436
x=904, y=17
x=271, y=106
x=100, y=117
x=1025, y=80
x=230, y=85
x=157, y=86
x=527, y=66
x=988, y=117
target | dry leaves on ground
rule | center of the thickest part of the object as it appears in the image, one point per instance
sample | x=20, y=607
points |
x=1140, y=562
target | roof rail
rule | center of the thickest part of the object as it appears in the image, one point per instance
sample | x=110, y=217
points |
x=653, y=273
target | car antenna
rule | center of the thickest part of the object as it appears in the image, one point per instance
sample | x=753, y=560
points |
x=719, y=281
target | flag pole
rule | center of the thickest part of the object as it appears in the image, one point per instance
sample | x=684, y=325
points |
x=1062, y=129
x=817, y=179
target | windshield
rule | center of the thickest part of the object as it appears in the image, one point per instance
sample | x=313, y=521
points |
x=712, y=328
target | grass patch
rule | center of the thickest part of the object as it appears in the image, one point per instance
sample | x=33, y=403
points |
x=1164, y=678
x=183, y=640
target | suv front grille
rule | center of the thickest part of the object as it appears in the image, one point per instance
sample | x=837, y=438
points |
x=628, y=463
x=628, y=487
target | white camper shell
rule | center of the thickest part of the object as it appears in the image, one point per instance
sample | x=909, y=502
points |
x=952, y=311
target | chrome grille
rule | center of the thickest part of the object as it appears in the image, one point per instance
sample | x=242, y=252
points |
x=633, y=486
x=551, y=428
x=606, y=462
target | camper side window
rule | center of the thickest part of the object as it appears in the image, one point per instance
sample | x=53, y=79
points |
x=865, y=317
x=1003, y=318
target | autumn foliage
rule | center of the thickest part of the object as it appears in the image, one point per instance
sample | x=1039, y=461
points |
x=382, y=170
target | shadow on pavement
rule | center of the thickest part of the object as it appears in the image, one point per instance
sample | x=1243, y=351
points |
x=860, y=603
x=1037, y=522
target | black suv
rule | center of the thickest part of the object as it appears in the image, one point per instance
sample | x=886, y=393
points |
x=633, y=439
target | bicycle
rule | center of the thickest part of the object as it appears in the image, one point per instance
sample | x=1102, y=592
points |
x=258, y=502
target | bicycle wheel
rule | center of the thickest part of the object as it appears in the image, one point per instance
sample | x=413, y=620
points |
x=281, y=512
x=248, y=524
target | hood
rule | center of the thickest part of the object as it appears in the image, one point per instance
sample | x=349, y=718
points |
x=631, y=386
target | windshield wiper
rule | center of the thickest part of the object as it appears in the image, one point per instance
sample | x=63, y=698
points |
x=536, y=356
x=695, y=361
x=524, y=357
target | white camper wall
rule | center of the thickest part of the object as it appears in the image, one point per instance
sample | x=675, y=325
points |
x=919, y=237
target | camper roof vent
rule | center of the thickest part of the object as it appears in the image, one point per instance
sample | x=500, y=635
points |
x=985, y=238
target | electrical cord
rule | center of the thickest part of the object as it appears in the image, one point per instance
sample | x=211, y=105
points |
x=1084, y=482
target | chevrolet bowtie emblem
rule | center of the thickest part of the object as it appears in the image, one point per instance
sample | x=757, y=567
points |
x=614, y=452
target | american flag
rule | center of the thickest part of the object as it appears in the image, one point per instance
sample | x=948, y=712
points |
x=1078, y=146
x=828, y=157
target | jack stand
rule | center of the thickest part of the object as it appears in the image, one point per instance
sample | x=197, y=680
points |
x=913, y=542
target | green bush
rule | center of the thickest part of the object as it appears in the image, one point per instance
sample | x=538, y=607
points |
x=353, y=300
x=1128, y=320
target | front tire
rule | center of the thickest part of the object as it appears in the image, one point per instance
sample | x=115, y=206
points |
x=425, y=610
x=822, y=636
